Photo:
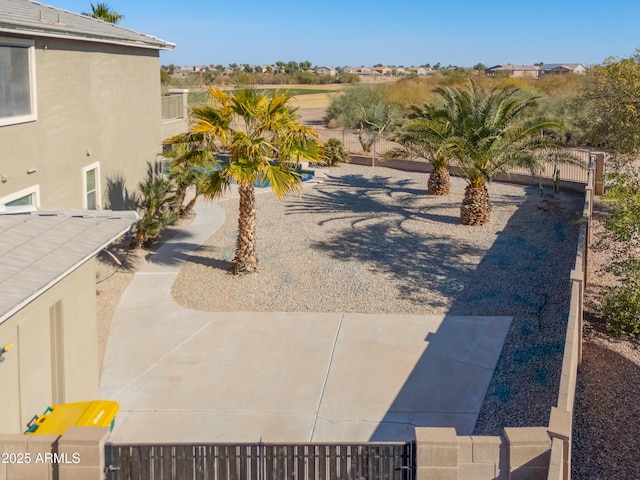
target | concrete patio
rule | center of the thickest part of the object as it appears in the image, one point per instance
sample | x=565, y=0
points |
x=190, y=376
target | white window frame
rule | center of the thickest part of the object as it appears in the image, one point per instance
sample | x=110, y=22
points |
x=33, y=116
x=94, y=166
x=33, y=190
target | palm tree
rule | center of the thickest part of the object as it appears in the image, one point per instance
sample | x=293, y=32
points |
x=262, y=138
x=489, y=137
x=424, y=134
x=156, y=195
x=187, y=168
x=103, y=12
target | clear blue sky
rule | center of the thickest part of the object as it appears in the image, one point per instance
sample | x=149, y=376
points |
x=400, y=32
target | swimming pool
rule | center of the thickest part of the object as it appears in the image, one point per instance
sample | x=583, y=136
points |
x=305, y=175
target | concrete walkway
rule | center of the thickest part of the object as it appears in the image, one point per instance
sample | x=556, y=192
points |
x=189, y=376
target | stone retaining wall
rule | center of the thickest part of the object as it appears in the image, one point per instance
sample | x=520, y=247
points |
x=536, y=453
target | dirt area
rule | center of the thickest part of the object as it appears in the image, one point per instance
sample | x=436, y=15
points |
x=607, y=415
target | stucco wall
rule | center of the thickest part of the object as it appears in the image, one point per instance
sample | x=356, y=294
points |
x=95, y=103
x=27, y=370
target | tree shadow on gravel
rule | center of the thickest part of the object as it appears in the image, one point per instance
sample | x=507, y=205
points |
x=382, y=234
x=520, y=271
x=524, y=274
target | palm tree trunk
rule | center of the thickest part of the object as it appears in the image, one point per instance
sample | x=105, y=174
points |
x=439, y=181
x=190, y=205
x=475, y=209
x=178, y=204
x=245, y=260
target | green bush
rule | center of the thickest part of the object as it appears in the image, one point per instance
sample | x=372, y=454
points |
x=156, y=197
x=334, y=152
x=621, y=306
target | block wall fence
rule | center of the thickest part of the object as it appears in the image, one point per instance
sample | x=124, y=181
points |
x=531, y=453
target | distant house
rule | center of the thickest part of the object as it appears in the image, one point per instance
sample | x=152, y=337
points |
x=364, y=71
x=562, y=68
x=80, y=109
x=326, y=71
x=420, y=71
x=199, y=68
x=382, y=70
x=48, y=308
x=514, y=71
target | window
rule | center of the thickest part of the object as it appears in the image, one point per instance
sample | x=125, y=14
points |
x=17, y=81
x=91, y=179
x=28, y=196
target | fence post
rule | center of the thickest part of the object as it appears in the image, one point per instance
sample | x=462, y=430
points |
x=436, y=453
x=529, y=452
x=83, y=447
x=560, y=425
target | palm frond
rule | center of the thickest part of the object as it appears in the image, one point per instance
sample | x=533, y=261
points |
x=284, y=180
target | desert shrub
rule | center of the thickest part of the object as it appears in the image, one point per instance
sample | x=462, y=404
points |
x=334, y=152
x=621, y=306
x=348, y=78
x=155, y=199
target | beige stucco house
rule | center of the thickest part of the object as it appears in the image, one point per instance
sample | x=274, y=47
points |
x=514, y=71
x=562, y=68
x=80, y=112
x=80, y=117
x=48, y=308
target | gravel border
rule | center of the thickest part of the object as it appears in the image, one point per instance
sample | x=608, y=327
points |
x=369, y=240
x=607, y=412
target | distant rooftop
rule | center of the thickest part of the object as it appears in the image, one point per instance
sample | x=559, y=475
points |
x=31, y=18
x=40, y=248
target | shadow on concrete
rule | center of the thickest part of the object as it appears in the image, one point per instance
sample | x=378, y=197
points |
x=525, y=274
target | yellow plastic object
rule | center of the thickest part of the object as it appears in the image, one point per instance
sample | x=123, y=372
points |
x=56, y=419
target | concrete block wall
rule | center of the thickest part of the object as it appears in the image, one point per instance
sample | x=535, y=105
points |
x=76, y=455
x=522, y=453
x=536, y=453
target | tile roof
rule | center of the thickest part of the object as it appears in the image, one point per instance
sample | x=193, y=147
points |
x=31, y=18
x=568, y=66
x=512, y=67
x=38, y=249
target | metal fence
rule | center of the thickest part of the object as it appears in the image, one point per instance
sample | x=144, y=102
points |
x=172, y=106
x=568, y=172
x=261, y=461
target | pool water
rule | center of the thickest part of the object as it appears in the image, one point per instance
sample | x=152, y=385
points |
x=305, y=175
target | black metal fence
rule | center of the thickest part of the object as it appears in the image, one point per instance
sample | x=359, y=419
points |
x=261, y=461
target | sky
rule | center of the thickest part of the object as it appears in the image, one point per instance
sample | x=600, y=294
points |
x=400, y=32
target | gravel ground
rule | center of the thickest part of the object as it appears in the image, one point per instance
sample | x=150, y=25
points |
x=370, y=240
x=607, y=413
x=605, y=443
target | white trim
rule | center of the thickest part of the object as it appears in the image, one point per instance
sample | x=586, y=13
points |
x=74, y=36
x=33, y=97
x=94, y=166
x=33, y=190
